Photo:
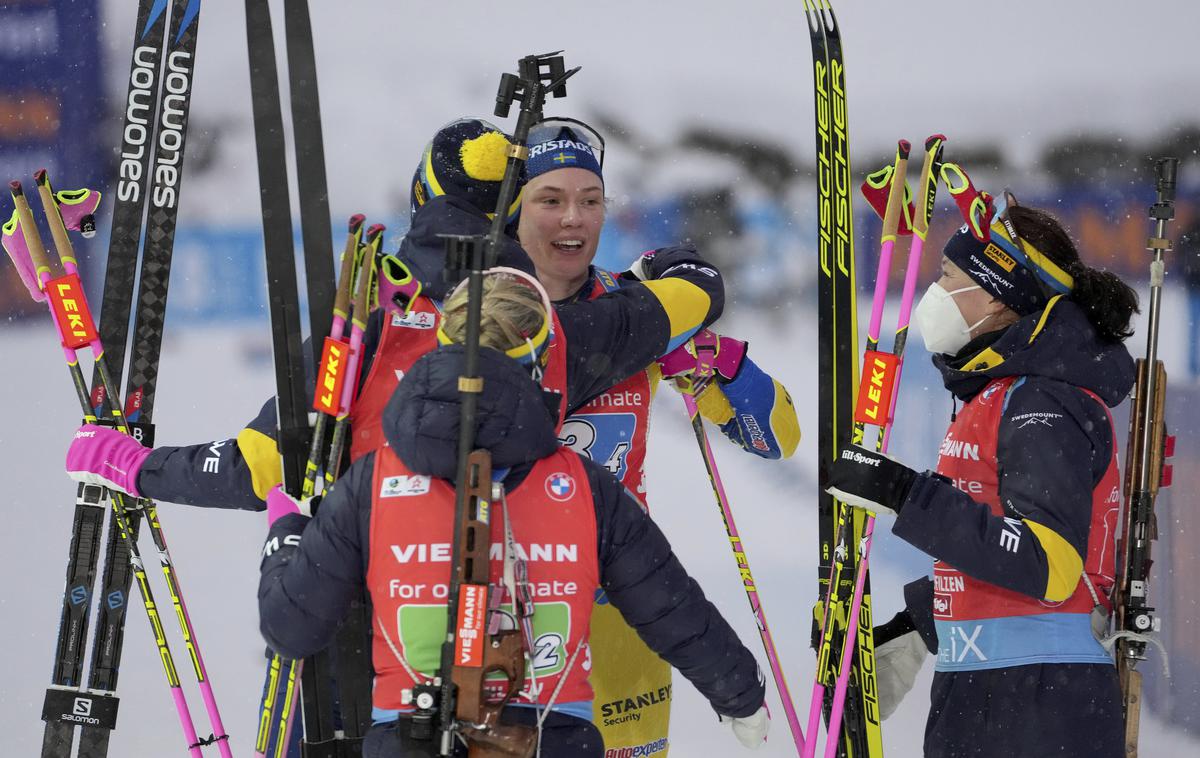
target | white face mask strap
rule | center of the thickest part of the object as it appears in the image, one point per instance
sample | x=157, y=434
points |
x=972, y=327
x=952, y=293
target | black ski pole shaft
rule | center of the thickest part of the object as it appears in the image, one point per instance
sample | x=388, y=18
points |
x=294, y=670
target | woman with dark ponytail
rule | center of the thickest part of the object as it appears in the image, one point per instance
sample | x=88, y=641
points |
x=1021, y=514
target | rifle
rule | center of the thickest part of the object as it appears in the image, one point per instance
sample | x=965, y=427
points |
x=455, y=703
x=1148, y=447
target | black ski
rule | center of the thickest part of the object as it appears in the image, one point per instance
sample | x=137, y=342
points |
x=284, y=309
x=164, y=175
x=838, y=382
x=129, y=204
x=351, y=645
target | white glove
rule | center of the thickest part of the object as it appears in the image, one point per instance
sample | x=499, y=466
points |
x=897, y=663
x=750, y=730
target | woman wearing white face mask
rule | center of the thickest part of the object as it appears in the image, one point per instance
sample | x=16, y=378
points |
x=1021, y=512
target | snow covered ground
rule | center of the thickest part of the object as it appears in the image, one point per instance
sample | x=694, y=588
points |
x=214, y=379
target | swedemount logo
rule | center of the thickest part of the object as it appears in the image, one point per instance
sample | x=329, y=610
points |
x=1038, y=417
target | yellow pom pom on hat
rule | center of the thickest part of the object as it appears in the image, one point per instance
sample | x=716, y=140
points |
x=484, y=157
x=465, y=159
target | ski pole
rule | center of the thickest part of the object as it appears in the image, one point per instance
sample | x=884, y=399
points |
x=331, y=371
x=833, y=603
x=703, y=373
x=930, y=171
x=342, y=302
x=75, y=328
x=887, y=241
x=929, y=179
x=358, y=326
x=62, y=242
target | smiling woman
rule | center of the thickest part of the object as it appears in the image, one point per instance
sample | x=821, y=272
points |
x=562, y=213
x=562, y=208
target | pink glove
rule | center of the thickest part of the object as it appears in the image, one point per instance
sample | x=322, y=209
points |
x=280, y=504
x=99, y=455
x=706, y=353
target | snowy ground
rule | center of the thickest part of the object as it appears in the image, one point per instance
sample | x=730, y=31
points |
x=213, y=379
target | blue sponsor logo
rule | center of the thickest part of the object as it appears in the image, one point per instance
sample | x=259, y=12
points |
x=116, y=599
x=78, y=594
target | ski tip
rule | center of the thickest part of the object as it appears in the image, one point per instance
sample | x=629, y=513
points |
x=903, y=148
x=356, y=222
x=374, y=230
x=39, y=176
x=933, y=140
x=15, y=187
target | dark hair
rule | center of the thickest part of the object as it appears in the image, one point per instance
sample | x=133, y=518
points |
x=1108, y=302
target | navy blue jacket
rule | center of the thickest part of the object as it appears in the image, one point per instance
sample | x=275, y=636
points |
x=1047, y=473
x=306, y=590
x=608, y=340
x=1048, y=470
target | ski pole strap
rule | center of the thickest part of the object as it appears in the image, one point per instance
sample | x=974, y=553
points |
x=875, y=190
x=977, y=207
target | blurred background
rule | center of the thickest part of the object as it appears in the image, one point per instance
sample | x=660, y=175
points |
x=707, y=110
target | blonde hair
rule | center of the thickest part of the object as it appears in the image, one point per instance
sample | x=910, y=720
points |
x=512, y=313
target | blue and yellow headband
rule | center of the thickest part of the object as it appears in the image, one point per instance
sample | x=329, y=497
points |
x=533, y=353
x=1011, y=270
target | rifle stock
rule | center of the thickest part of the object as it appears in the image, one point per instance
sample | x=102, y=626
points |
x=502, y=651
x=1138, y=529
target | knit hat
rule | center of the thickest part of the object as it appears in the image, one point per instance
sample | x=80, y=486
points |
x=465, y=159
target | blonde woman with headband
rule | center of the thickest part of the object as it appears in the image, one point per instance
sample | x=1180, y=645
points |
x=388, y=523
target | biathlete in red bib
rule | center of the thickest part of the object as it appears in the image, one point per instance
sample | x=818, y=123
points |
x=387, y=524
x=562, y=214
x=1021, y=514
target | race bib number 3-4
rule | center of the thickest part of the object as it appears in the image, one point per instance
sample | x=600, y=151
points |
x=604, y=437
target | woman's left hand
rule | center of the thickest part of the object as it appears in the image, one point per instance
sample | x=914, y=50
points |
x=867, y=479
